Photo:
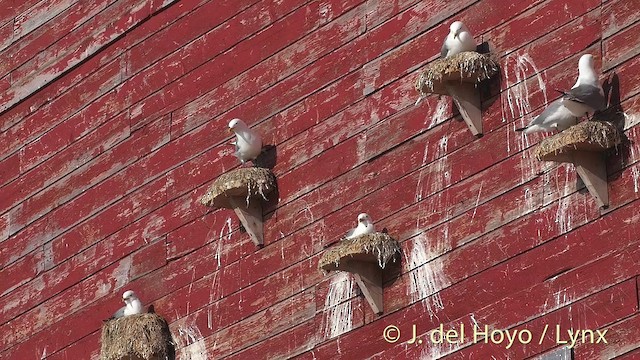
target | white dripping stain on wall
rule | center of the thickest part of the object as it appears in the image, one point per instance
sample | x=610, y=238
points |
x=228, y=226
x=518, y=96
x=563, y=214
x=529, y=201
x=191, y=344
x=440, y=113
x=426, y=275
x=425, y=156
x=635, y=172
x=338, y=311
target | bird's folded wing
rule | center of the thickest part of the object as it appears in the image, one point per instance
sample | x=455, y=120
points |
x=588, y=95
x=445, y=50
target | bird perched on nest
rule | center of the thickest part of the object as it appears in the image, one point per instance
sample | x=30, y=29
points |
x=132, y=306
x=248, y=143
x=555, y=116
x=585, y=96
x=459, y=40
x=365, y=226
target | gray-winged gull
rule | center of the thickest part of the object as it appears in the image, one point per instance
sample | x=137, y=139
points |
x=365, y=226
x=248, y=143
x=132, y=306
x=459, y=40
x=586, y=96
x=555, y=116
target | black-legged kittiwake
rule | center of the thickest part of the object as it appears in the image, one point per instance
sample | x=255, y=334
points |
x=459, y=40
x=248, y=142
x=555, y=116
x=586, y=96
x=365, y=226
x=132, y=306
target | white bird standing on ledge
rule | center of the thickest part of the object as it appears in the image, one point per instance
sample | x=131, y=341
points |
x=132, y=306
x=365, y=226
x=248, y=143
x=459, y=40
x=586, y=96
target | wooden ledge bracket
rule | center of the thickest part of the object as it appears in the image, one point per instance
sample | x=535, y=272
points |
x=250, y=216
x=458, y=77
x=584, y=145
x=366, y=257
x=467, y=100
x=243, y=190
x=369, y=278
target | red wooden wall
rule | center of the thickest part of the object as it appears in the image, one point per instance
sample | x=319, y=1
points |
x=113, y=124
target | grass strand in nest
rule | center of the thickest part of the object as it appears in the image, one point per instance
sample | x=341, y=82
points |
x=376, y=247
x=242, y=182
x=468, y=66
x=586, y=136
x=142, y=336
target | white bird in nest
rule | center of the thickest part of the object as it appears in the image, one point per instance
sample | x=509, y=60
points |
x=555, y=117
x=586, y=96
x=132, y=306
x=365, y=226
x=248, y=142
x=459, y=40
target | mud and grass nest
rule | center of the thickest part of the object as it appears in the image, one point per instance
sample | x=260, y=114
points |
x=376, y=247
x=142, y=336
x=585, y=136
x=469, y=66
x=242, y=182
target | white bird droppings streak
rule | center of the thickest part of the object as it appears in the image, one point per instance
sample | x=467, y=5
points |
x=338, y=313
x=635, y=172
x=426, y=278
x=218, y=254
x=518, y=91
x=425, y=155
x=191, y=343
x=440, y=114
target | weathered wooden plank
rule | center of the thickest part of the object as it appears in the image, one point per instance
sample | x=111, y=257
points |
x=592, y=313
x=24, y=327
x=534, y=270
x=621, y=47
x=270, y=76
x=238, y=59
x=617, y=15
x=35, y=76
x=109, y=134
x=9, y=169
x=58, y=26
x=85, y=263
x=620, y=338
x=48, y=115
x=38, y=15
x=135, y=37
x=260, y=326
x=568, y=288
x=112, y=161
x=184, y=34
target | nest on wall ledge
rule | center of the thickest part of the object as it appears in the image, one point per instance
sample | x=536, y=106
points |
x=585, y=136
x=242, y=182
x=469, y=67
x=136, y=337
x=377, y=248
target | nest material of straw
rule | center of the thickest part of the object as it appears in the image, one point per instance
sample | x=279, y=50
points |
x=376, y=247
x=585, y=136
x=242, y=182
x=468, y=66
x=142, y=336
